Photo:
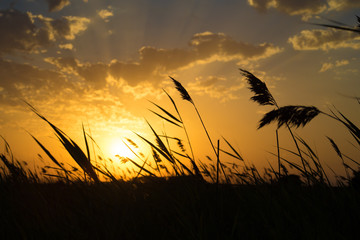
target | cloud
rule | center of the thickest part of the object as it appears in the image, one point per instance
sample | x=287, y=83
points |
x=67, y=46
x=338, y=63
x=27, y=33
x=19, y=33
x=65, y=64
x=66, y=27
x=105, y=14
x=155, y=64
x=326, y=66
x=325, y=40
x=21, y=80
x=304, y=8
x=340, y=5
x=94, y=74
x=53, y=92
x=291, y=7
x=208, y=45
x=57, y=5
x=203, y=48
x=216, y=87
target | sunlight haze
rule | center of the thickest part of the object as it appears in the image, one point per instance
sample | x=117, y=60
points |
x=102, y=63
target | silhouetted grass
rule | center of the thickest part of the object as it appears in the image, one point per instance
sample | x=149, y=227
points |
x=176, y=209
x=172, y=196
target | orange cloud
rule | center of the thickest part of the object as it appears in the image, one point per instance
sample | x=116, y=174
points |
x=291, y=7
x=340, y=5
x=25, y=81
x=155, y=63
x=153, y=66
x=25, y=32
x=105, y=14
x=319, y=39
x=215, y=87
x=304, y=8
x=57, y=5
x=327, y=66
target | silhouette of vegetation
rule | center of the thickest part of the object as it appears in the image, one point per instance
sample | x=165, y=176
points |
x=342, y=26
x=170, y=196
x=173, y=195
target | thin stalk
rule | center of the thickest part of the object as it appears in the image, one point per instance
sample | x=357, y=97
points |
x=300, y=155
x=186, y=133
x=278, y=150
x=187, y=137
x=297, y=147
x=207, y=134
x=218, y=162
x=92, y=144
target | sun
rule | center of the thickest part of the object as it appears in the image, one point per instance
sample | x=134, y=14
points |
x=118, y=148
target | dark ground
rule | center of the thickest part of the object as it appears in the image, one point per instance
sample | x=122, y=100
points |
x=176, y=210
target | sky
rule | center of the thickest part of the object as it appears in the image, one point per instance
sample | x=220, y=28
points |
x=100, y=63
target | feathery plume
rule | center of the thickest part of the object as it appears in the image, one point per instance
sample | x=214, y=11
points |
x=291, y=115
x=184, y=94
x=262, y=93
x=335, y=147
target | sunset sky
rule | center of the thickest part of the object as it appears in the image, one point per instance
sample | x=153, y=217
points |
x=99, y=62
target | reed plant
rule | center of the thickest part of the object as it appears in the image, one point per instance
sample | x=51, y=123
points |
x=165, y=157
x=299, y=116
x=212, y=198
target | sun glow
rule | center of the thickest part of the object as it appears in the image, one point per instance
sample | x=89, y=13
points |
x=117, y=148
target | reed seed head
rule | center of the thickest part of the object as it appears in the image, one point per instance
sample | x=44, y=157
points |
x=262, y=93
x=293, y=116
x=184, y=94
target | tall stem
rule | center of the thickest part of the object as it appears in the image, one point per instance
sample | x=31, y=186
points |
x=217, y=162
x=278, y=150
x=207, y=134
x=300, y=155
x=297, y=147
x=187, y=137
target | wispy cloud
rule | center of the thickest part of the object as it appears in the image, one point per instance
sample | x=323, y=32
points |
x=68, y=26
x=328, y=65
x=105, y=14
x=68, y=46
x=25, y=32
x=156, y=63
x=21, y=80
x=340, y=5
x=216, y=87
x=57, y=5
x=324, y=39
x=304, y=8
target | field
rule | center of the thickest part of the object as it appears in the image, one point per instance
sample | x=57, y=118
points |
x=177, y=209
x=174, y=196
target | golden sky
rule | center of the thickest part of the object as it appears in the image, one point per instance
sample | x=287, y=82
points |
x=99, y=62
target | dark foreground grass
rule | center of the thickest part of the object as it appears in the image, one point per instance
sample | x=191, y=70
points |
x=176, y=209
x=197, y=200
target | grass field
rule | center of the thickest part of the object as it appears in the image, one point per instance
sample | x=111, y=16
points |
x=175, y=196
x=177, y=209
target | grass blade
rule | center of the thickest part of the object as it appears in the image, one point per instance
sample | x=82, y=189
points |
x=166, y=112
x=86, y=143
x=238, y=156
x=48, y=153
x=166, y=119
x=71, y=147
